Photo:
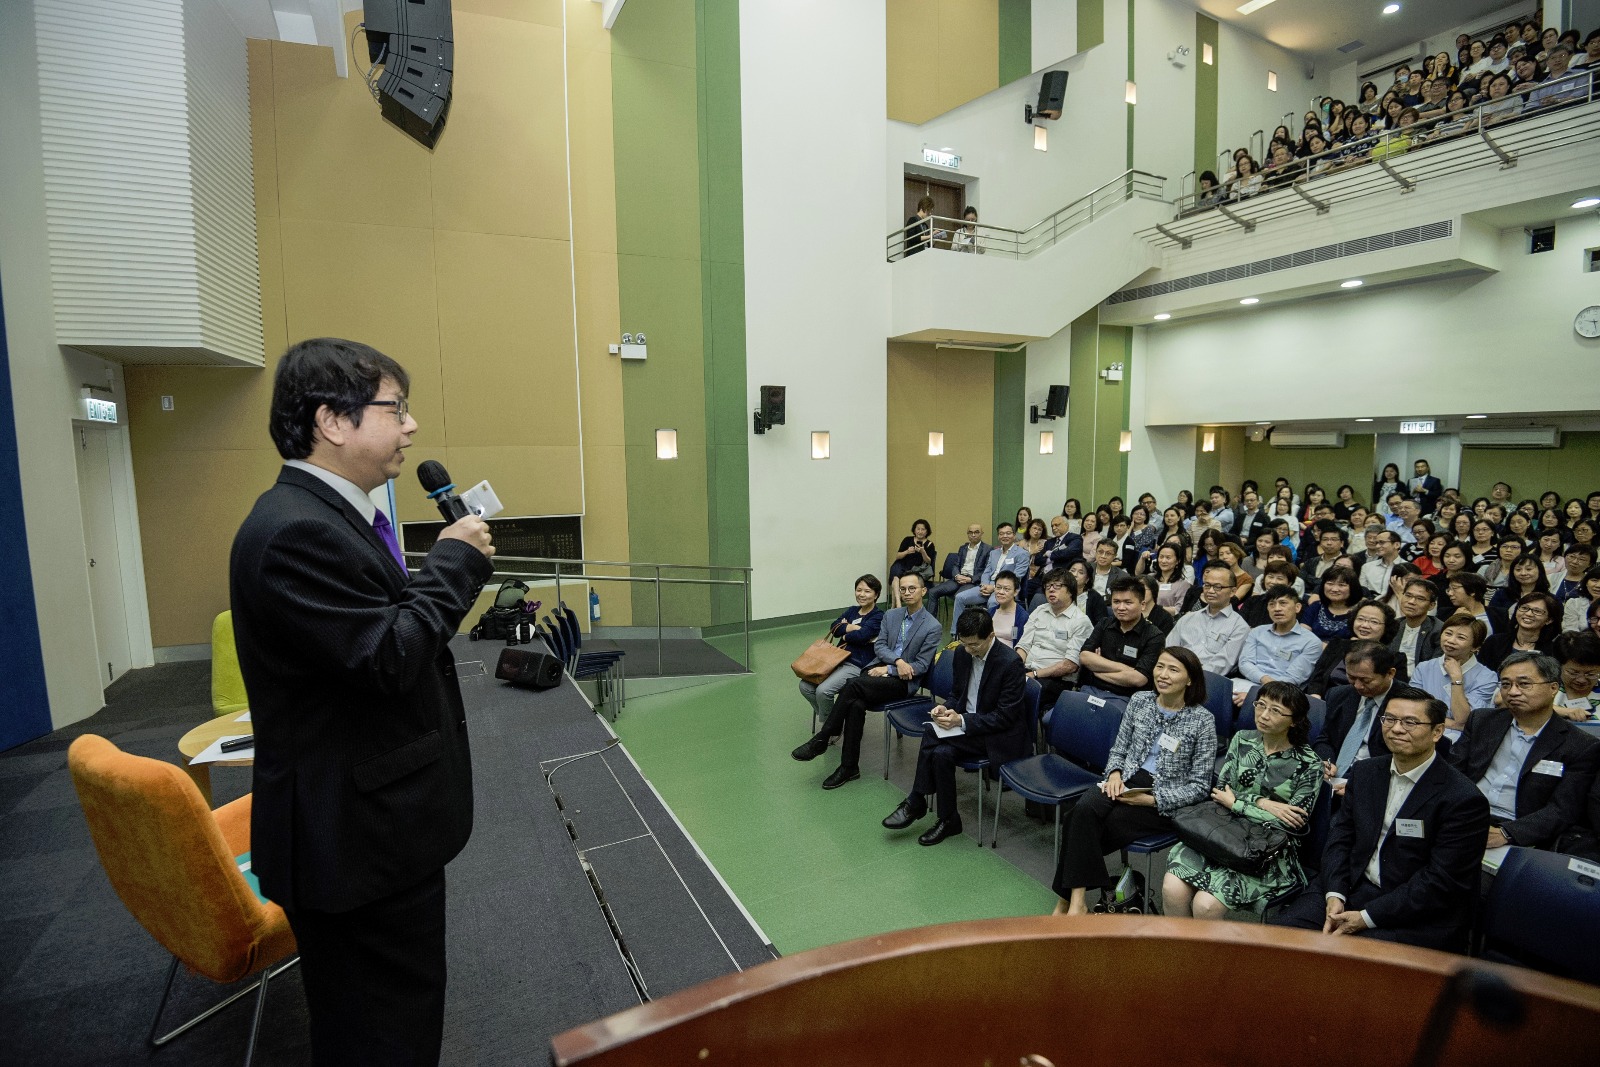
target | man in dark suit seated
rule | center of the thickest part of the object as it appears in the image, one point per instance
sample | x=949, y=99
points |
x=1534, y=766
x=363, y=779
x=990, y=709
x=1352, y=731
x=1403, y=853
x=961, y=568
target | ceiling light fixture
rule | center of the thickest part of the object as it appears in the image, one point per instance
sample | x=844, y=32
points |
x=1163, y=317
x=1588, y=201
x=1353, y=283
x=1253, y=5
x=1390, y=9
x=1363, y=420
x=1477, y=416
x=1247, y=301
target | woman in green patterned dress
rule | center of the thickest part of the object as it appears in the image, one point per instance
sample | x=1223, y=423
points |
x=1271, y=775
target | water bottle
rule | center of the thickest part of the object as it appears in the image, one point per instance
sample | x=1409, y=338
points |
x=594, y=606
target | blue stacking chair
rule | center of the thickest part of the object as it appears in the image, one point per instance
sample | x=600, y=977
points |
x=1311, y=847
x=1543, y=912
x=605, y=665
x=905, y=717
x=1219, y=701
x=1081, y=734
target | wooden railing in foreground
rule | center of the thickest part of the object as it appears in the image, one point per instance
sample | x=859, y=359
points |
x=1091, y=991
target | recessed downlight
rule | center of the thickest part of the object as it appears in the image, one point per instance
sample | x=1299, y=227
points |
x=1247, y=301
x=1390, y=9
x=1163, y=317
x=1588, y=201
x=1477, y=416
x=1363, y=420
x=1353, y=283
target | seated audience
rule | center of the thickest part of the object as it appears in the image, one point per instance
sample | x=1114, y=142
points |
x=1007, y=556
x=1532, y=629
x=917, y=553
x=907, y=642
x=1417, y=636
x=1171, y=577
x=1383, y=552
x=1328, y=614
x=1284, y=650
x=1278, y=574
x=1534, y=766
x=1122, y=649
x=989, y=706
x=1372, y=622
x=1575, y=611
x=1466, y=593
x=1090, y=602
x=1214, y=632
x=1456, y=678
x=1497, y=571
x=1576, y=698
x=856, y=629
x=1558, y=89
x=1007, y=616
x=1331, y=544
x=1161, y=760
x=962, y=568
x=1352, y=731
x=1270, y=775
x=1054, y=637
x=1402, y=858
x=1579, y=558
x=1106, y=568
x=1231, y=553
x=1154, y=613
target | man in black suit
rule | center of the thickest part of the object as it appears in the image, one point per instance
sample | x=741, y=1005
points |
x=1425, y=488
x=363, y=780
x=1402, y=858
x=1534, y=766
x=1352, y=730
x=990, y=709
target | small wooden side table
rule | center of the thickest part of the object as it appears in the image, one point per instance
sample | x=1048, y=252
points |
x=200, y=738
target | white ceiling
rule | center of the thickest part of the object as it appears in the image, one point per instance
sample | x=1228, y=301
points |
x=1317, y=28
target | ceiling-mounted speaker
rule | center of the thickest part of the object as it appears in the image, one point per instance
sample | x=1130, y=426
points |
x=414, y=40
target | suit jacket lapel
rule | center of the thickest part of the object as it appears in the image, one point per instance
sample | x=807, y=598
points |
x=330, y=496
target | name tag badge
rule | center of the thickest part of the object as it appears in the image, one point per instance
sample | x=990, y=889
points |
x=1131, y=651
x=1098, y=702
x=1169, y=743
x=1554, y=768
x=1588, y=870
x=1408, y=827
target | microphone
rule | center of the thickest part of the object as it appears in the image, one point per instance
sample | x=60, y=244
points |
x=441, y=490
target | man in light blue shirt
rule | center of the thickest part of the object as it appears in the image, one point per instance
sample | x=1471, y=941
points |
x=1283, y=651
x=1007, y=556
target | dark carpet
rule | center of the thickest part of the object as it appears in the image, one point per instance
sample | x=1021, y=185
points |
x=679, y=658
x=531, y=951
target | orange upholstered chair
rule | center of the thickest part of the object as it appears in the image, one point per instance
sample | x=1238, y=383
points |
x=171, y=860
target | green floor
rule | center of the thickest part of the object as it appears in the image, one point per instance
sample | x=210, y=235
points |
x=813, y=867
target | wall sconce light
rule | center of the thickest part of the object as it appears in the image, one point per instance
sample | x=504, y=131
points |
x=1208, y=443
x=935, y=443
x=819, y=444
x=1272, y=81
x=1047, y=442
x=1125, y=443
x=1207, y=56
x=666, y=444
x=1041, y=139
x=1131, y=93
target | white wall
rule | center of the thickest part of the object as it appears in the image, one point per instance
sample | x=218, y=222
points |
x=1504, y=344
x=1161, y=460
x=1044, y=478
x=43, y=388
x=816, y=312
x=1244, y=102
x=1163, y=140
x=1055, y=32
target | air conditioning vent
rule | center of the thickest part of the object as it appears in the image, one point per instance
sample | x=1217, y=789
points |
x=1307, y=439
x=1352, y=46
x=1432, y=231
x=1525, y=437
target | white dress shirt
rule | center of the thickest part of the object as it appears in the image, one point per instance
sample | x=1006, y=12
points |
x=1400, y=786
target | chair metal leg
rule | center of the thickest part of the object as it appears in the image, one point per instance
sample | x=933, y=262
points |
x=980, y=807
x=886, y=729
x=259, y=986
x=1056, y=862
x=1000, y=792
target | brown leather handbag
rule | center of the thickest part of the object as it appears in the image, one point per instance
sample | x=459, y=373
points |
x=819, y=661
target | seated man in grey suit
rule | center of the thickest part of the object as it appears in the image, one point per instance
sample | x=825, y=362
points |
x=962, y=568
x=1534, y=766
x=906, y=646
x=1402, y=858
x=989, y=705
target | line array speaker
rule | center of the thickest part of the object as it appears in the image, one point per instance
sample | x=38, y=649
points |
x=415, y=41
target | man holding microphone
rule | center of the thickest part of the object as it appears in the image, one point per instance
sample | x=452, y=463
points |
x=363, y=779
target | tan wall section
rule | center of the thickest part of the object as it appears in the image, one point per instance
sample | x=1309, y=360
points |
x=952, y=392
x=459, y=263
x=941, y=54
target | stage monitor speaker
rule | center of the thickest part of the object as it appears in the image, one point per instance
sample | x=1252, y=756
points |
x=528, y=669
x=1052, y=93
x=772, y=404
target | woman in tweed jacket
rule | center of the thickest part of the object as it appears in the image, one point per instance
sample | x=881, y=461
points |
x=1167, y=744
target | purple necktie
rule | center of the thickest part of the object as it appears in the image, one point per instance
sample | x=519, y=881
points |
x=385, y=528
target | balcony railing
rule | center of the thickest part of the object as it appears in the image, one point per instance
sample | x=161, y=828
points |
x=938, y=234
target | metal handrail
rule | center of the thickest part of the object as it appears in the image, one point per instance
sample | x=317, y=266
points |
x=937, y=232
x=743, y=582
x=1454, y=142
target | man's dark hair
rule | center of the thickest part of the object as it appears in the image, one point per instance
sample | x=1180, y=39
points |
x=1422, y=583
x=1434, y=708
x=1005, y=526
x=1578, y=646
x=1283, y=592
x=974, y=622
x=1327, y=526
x=1581, y=550
x=1125, y=583
x=1471, y=584
x=1218, y=565
x=918, y=576
x=343, y=375
x=1064, y=579
x=1544, y=664
x=1225, y=497
x=1380, y=657
x=871, y=582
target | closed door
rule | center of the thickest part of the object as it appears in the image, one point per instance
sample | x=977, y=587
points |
x=104, y=561
x=948, y=199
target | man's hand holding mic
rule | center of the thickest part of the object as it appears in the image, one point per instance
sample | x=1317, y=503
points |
x=464, y=525
x=474, y=531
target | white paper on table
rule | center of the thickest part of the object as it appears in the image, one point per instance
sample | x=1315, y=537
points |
x=941, y=731
x=1494, y=857
x=243, y=718
x=1242, y=685
x=213, y=752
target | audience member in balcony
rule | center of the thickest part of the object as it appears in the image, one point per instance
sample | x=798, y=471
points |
x=1402, y=75
x=1368, y=102
x=1559, y=89
x=1435, y=95
x=1500, y=105
x=1533, y=628
x=1398, y=140
x=1416, y=637
x=1209, y=192
x=1248, y=183
x=1411, y=95
x=1539, y=43
x=1233, y=171
x=1590, y=59
x=1477, y=62
x=1007, y=616
x=1316, y=154
x=966, y=237
x=1390, y=120
x=1526, y=75
x=1443, y=69
x=918, y=228
x=1497, y=62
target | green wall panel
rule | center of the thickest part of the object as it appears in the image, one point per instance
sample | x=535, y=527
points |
x=1571, y=470
x=1110, y=463
x=1205, y=94
x=1010, y=400
x=1091, y=23
x=1081, y=376
x=1097, y=411
x=1016, y=39
x=1328, y=467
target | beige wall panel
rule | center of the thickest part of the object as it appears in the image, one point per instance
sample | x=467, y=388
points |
x=594, y=189
x=913, y=60
x=528, y=479
x=599, y=326
x=506, y=340
x=586, y=27
x=373, y=284
x=337, y=157
x=605, y=524
x=186, y=548
x=543, y=12
x=501, y=165
x=968, y=59
x=263, y=135
x=213, y=410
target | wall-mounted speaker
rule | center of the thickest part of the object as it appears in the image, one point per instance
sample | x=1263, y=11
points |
x=773, y=404
x=1052, y=94
x=414, y=40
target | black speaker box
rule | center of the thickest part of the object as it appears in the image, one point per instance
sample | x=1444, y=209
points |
x=528, y=669
x=415, y=41
x=773, y=403
x=1052, y=93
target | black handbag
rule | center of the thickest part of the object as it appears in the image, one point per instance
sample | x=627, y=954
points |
x=1235, y=842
